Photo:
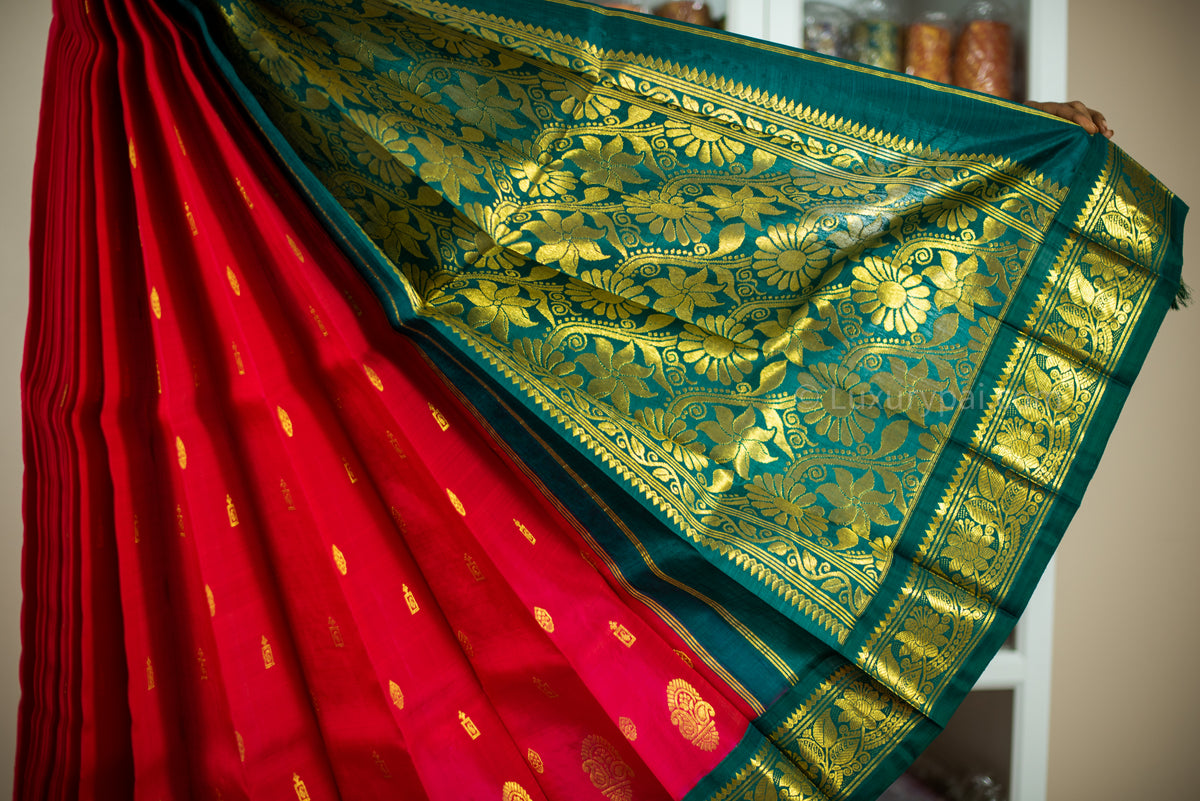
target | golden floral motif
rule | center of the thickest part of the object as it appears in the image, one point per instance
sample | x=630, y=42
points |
x=683, y=291
x=511, y=791
x=924, y=635
x=482, y=105
x=856, y=503
x=339, y=559
x=837, y=403
x=829, y=183
x=465, y=642
x=693, y=716
x=395, y=443
x=391, y=225
x=608, y=294
x=155, y=303
x=241, y=746
x=788, y=502
x=1019, y=444
x=456, y=503
x=580, y=100
x=539, y=173
x=891, y=295
x=606, y=164
x=951, y=213
x=1105, y=265
x=212, y=601
x=410, y=600
x=399, y=520
x=335, y=633
x=960, y=285
x=543, y=619
x=373, y=377
x=411, y=93
x=969, y=548
x=719, y=348
x=615, y=374
x=909, y=390
x=710, y=147
x=535, y=761
x=490, y=244
x=737, y=439
x=379, y=147
x=863, y=707
x=674, y=435
x=952, y=286
x=790, y=257
x=746, y=204
x=395, y=694
x=445, y=38
x=284, y=421
x=544, y=688
x=609, y=774
x=627, y=728
x=149, y=675
x=233, y=280
x=548, y=362
x=261, y=45
x=447, y=166
x=498, y=307
x=565, y=240
x=299, y=254
x=669, y=215
x=792, y=332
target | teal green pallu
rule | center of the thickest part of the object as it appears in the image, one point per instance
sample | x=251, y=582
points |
x=822, y=357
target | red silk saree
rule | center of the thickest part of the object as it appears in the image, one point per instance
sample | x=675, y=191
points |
x=439, y=401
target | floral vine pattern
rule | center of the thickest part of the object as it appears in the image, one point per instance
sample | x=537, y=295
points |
x=763, y=318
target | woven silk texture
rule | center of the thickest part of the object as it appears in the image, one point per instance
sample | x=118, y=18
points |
x=527, y=400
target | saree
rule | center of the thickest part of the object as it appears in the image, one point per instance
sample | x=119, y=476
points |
x=526, y=400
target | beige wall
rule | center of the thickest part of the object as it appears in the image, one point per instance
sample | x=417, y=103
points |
x=1127, y=649
x=1126, y=697
x=23, y=28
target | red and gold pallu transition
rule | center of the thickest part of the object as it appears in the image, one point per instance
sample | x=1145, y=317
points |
x=701, y=427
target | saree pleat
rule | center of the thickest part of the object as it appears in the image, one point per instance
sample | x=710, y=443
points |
x=276, y=547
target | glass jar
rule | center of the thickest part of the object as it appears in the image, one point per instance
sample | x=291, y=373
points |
x=827, y=29
x=983, y=59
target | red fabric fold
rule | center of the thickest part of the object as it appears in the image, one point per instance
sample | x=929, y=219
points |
x=270, y=552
